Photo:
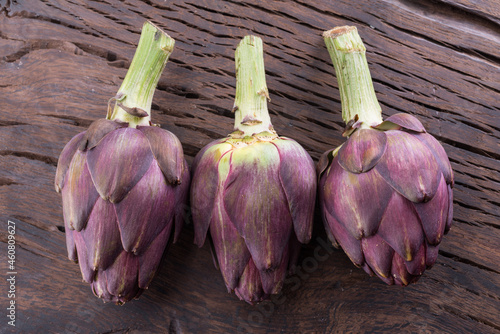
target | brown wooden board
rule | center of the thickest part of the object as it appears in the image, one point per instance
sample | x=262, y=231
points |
x=60, y=62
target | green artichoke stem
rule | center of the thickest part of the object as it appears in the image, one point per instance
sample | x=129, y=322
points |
x=250, y=104
x=132, y=103
x=357, y=94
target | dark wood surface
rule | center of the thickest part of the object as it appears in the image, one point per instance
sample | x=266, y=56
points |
x=60, y=62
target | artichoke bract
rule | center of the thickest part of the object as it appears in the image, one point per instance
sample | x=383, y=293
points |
x=254, y=190
x=124, y=183
x=386, y=193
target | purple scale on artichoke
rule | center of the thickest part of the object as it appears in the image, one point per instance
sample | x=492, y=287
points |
x=386, y=193
x=124, y=184
x=253, y=191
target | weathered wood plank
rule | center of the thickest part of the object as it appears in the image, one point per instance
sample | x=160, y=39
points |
x=60, y=62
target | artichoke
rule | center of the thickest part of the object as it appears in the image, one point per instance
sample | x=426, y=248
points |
x=254, y=190
x=124, y=184
x=386, y=194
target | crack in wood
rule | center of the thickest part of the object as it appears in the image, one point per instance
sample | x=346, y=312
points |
x=460, y=15
x=466, y=261
x=31, y=155
x=464, y=315
x=6, y=181
x=4, y=122
x=470, y=148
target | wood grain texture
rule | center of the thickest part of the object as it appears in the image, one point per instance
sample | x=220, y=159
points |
x=60, y=62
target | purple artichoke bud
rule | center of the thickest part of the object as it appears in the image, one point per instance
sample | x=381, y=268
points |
x=124, y=184
x=254, y=190
x=385, y=194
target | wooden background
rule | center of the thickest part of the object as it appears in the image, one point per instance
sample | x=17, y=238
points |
x=60, y=62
